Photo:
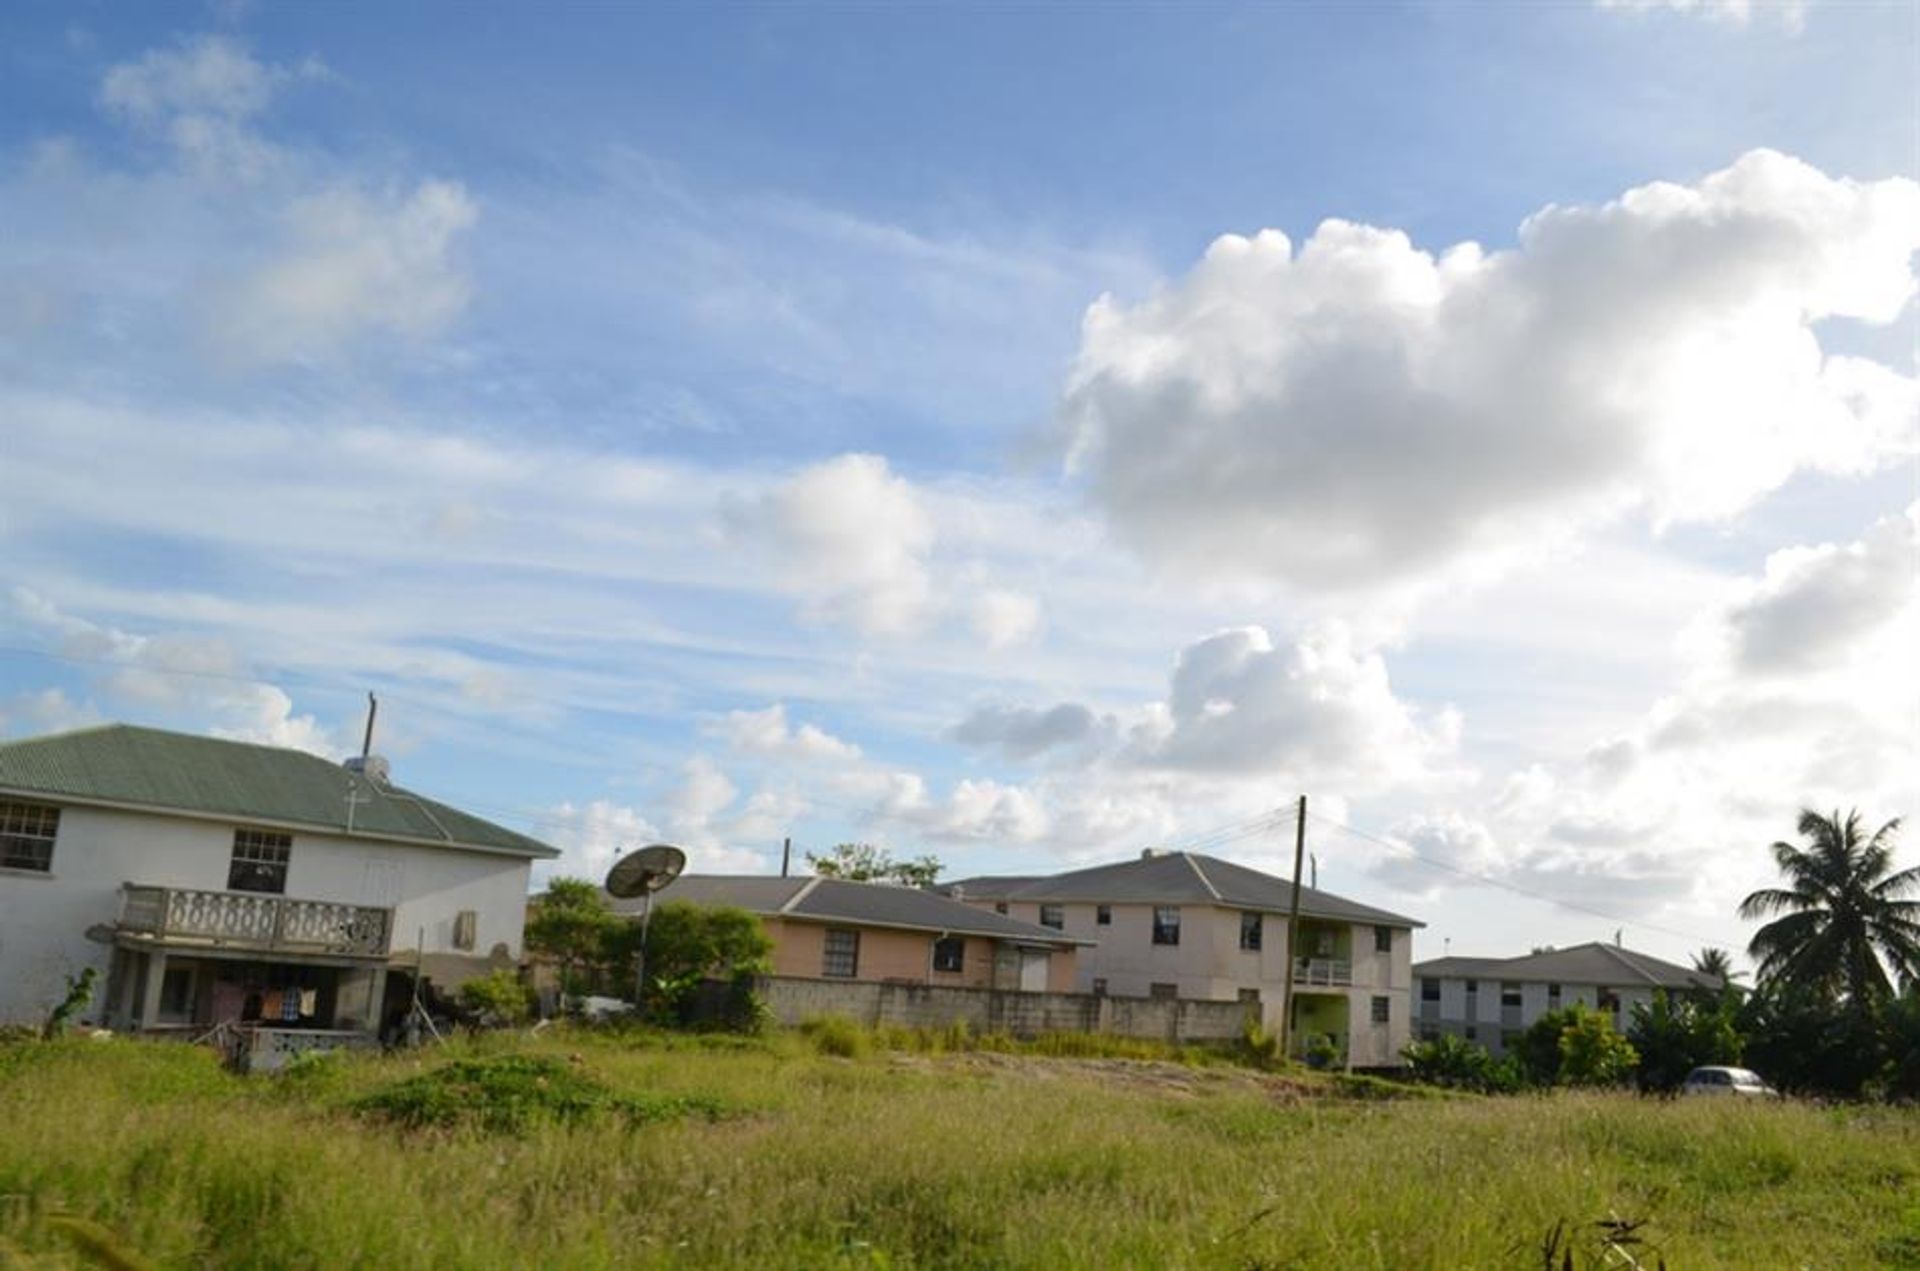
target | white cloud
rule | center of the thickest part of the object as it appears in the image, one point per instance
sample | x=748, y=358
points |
x=357, y=267
x=1791, y=14
x=1813, y=603
x=47, y=710
x=1022, y=732
x=1004, y=618
x=201, y=96
x=767, y=733
x=1361, y=412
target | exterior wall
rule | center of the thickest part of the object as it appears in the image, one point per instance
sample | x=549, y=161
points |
x=794, y=1001
x=44, y=918
x=1209, y=965
x=887, y=954
x=1479, y=1017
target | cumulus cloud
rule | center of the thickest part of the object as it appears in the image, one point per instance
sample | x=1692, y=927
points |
x=1360, y=411
x=852, y=539
x=1003, y=618
x=1814, y=602
x=767, y=733
x=1238, y=703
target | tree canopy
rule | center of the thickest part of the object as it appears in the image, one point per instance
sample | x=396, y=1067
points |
x=863, y=862
x=1845, y=917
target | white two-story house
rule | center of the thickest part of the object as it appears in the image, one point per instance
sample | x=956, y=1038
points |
x=1492, y=1001
x=1183, y=925
x=214, y=883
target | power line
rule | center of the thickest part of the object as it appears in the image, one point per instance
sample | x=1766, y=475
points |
x=1401, y=849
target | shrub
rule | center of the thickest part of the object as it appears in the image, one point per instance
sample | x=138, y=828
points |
x=513, y=1093
x=1592, y=1054
x=836, y=1035
x=497, y=1000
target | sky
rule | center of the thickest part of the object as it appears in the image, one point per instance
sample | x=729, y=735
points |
x=1021, y=434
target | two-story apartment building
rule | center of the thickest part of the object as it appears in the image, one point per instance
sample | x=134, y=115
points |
x=1179, y=924
x=1492, y=1001
x=213, y=882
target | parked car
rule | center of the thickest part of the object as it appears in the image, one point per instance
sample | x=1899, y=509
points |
x=1719, y=1080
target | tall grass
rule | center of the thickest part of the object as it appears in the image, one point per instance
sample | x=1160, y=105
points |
x=949, y=1160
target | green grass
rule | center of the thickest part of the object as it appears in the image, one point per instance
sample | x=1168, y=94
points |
x=768, y=1153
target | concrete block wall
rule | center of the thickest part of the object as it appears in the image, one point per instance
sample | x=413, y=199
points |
x=794, y=1000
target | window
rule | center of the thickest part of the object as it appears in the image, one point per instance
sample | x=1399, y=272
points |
x=949, y=953
x=1383, y=939
x=1166, y=924
x=1429, y=990
x=1553, y=994
x=1382, y=1009
x=1054, y=916
x=1165, y=992
x=259, y=861
x=27, y=832
x=841, y=955
x=1473, y=1033
x=466, y=925
x=1250, y=997
x=999, y=906
x=1103, y=915
x=1099, y=986
x=1250, y=930
x=1609, y=1001
x=1509, y=994
x=1473, y=986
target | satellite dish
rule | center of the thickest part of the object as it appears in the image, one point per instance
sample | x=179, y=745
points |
x=645, y=871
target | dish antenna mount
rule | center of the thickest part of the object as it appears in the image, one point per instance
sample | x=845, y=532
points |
x=641, y=873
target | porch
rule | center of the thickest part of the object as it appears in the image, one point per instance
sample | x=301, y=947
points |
x=1320, y=1015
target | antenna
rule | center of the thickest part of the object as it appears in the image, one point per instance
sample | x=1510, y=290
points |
x=642, y=873
x=373, y=709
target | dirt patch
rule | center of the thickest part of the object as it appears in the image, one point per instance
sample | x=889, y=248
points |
x=1158, y=1077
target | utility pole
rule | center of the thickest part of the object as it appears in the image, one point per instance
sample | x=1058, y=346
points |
x=1293, y=922
x=786, y=855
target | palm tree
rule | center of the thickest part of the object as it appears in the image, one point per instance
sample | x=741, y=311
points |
x=1843, y=912
x=1716, y=963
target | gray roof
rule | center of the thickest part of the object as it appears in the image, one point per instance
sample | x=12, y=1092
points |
x=151, y=769
x=860, y=904
x=1593, y=963
x=1174, y=878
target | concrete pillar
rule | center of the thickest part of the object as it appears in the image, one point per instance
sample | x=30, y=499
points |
x=150, y=996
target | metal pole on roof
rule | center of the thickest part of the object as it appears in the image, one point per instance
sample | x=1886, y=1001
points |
x=373, y=709
x=1293, y=921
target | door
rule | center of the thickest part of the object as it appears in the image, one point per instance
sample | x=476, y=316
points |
x=1033, y=970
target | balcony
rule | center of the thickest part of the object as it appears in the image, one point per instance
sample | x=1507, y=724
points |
x=249, y=920
x=1326, y=972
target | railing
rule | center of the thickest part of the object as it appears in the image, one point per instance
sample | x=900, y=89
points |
x=251, y=920
x=1327, y=971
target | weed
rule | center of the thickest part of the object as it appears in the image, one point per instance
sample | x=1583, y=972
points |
x=512, y=1093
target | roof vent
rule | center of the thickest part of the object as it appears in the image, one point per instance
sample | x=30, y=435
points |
x=1148, y=853
x=373, y=767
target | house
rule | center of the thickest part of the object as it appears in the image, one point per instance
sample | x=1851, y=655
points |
x=1183, y=925
x=214, y=882
x=1493, y=1000
x=835, y=929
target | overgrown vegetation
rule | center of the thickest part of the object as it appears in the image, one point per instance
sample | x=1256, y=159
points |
x=513, y=1093
x=957, y=1159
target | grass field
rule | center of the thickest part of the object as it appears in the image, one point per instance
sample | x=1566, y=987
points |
x=678, y=1151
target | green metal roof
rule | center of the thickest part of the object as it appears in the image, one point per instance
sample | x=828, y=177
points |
x=236, y=781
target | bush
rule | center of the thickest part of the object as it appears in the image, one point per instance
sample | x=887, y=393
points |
x=1452, y=1061
x=1592, y=1054
x=497, y=1000
x=513, y=1093
x=836, y=1035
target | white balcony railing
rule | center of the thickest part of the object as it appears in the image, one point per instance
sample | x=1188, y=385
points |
x=255, y=921
x=1322, y=971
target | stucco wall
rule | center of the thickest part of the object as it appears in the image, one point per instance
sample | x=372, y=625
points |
x=794, y=1001
x=1478, y=1015
x=799, y=950
x=44, y=917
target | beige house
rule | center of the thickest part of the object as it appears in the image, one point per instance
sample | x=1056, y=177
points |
x=1182, y=925
x=833, y=929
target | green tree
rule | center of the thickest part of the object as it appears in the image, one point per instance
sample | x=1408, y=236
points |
x=497, y=1000
x=689, y=945
x=1717, y=963
x=863, y=863
x=1592, y=1053
x=1678, y=1033
x=1538, y=1050
x=571, y=924
x=1843, y=912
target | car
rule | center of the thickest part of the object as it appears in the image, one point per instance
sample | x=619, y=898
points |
x=1715, y=1079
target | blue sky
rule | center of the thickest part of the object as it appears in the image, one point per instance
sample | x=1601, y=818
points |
x=721, y=423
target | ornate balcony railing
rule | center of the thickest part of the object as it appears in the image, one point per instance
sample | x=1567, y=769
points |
x=1327, y=971
x=254, y=921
